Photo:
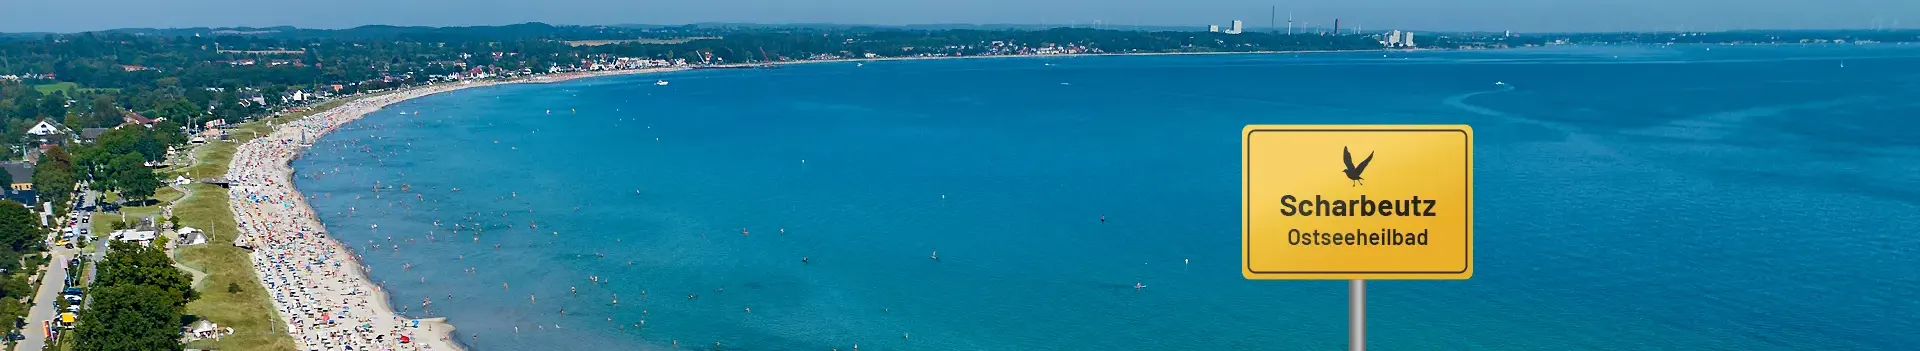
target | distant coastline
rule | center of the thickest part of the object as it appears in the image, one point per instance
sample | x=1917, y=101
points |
x=920, y=58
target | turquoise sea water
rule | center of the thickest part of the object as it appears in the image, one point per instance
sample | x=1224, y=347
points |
x=1628, y=198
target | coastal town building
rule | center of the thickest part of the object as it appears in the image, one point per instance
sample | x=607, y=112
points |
x=135, y=119
x=142, y=237
x=47, y=128
x=21, y=175
x=20, y=183
x=1232, y=28
x=88, y=135
x=1397, y=39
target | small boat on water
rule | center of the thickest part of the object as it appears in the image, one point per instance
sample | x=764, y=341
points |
x=660, y=83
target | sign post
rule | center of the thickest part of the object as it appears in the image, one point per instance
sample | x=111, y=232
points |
x=1357, y=203
x=1357, y=315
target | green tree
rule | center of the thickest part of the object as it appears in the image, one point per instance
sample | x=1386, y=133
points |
x=9, y=260
x=168, y=133
x=135, y=264
x=103, y=113
x=19, y=228
x=136, y=303
x=132, y=140
x=91, y=161
x=179, y=109
x=13, y=308
x=53, y=177
x=130, y=317
x=27, y=105
x=54, y=106
x=16, y=287
x=131, y=177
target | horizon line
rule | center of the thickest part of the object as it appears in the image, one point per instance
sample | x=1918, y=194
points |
x=1022, y=26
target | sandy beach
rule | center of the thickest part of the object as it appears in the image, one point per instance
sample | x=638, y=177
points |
x=318, y=287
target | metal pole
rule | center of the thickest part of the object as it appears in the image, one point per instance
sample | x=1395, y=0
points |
x=1357, y=315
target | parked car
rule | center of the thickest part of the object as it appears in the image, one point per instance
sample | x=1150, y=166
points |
x=15, y=336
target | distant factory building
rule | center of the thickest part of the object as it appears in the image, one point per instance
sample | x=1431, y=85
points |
x=1213, y=28
x=1236, y=28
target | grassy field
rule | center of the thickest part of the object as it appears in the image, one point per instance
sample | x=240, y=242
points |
x=68, y=87
x=53, y=87
x=249, y=312
x=212, y=160
x=167, y=195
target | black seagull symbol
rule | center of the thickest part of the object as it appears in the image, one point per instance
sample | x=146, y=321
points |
x=1353, y=171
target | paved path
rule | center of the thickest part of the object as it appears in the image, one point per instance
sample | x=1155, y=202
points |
x=173, y=246
x=43, y=302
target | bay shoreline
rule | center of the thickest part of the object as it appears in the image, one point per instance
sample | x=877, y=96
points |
x=287, y=141
x=276, y=221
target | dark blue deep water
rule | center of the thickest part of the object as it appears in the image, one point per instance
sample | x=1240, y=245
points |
x=1629, y=198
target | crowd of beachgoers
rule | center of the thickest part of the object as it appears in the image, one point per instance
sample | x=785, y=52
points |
x=318, y=286
x=319, y=289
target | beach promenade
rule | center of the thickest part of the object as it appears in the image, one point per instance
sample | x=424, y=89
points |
x=318, y=287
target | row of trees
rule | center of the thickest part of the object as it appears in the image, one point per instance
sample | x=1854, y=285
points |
x=20, y=235
x=115, y=161
x=138, y=302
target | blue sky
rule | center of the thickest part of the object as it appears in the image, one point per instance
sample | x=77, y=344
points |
x=1517, y=15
